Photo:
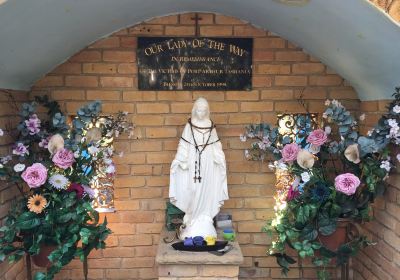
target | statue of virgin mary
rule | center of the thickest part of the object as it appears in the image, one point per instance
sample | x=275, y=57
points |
x=198, y=181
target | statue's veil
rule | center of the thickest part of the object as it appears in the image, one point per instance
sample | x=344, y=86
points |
x=200, y=102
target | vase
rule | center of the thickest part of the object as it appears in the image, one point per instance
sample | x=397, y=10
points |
x=339, y=237
x=41, y=259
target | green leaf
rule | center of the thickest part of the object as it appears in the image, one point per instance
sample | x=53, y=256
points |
x=27, y=220
x=309, y=233
x=325, y=252
x=302, y=254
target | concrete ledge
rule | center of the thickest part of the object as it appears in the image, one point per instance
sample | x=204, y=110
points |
x=179, y=265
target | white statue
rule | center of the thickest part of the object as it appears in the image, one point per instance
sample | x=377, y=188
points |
x=198, y=183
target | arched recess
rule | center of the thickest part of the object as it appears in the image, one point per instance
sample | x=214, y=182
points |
x=353, y=37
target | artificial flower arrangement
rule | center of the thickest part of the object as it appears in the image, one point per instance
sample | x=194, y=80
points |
x=52, y=164
x=326, y=176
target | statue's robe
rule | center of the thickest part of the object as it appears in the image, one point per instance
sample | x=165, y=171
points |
x=201, y=201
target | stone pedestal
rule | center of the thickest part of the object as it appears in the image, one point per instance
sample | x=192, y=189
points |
x=182, y=265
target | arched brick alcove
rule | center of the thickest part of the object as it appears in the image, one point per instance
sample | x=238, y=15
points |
x=107, y=71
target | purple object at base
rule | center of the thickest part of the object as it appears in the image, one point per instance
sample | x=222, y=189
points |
x=188, y=242
x=198, y=241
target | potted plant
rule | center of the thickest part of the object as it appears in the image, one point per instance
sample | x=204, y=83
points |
x=52, y=164
x=328, y=175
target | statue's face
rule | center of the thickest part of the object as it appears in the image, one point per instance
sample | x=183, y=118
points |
x=201, y=112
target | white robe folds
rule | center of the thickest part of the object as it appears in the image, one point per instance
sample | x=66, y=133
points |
x=201, y=201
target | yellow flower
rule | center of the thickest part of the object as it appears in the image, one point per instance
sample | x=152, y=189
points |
x=36, y=203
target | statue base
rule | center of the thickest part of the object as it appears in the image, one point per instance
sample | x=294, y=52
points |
x=174, y=265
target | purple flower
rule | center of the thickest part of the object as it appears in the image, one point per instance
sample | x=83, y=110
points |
x=20, y=149
x=89, y=191
x=77, y=188
x=290, y=151
x=292, y=194
x=44, y=142
x=35, y=175
x=33, y=124
x=63, y=158
x=317, y=137
x=347, y=183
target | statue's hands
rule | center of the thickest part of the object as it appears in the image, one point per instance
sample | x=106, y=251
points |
x=183, y=165
x=175, y=165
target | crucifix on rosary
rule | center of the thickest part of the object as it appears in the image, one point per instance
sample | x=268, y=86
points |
x=196, y=19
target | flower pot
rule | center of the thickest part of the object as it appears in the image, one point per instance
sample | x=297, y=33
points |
x=41, y=259
x=339, y=237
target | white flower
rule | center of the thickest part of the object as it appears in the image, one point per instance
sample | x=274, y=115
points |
x=305, y=159
x=324, y=115
x=305, y=176
x=58, y=181
x=19, y=167
x=352, y=153
x=327, y=102
x=243, y=138
x=1, y=132
x=314, y=149
x=110, y=169
x=396, y=109
x=107, y=161
x=1, y=166
x=328, y=130
x=93, y=150
x=76, y=154
x=362, y=117
x=296, y=182
x=246, y=154
x=369, y=133
x=385, y=165
x=398, y=157
x=56, y=143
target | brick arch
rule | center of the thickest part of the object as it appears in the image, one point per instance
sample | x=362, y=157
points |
x=106, y=70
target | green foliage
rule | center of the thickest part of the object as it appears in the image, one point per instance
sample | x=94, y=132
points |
x=67, y=219
x=310, y=203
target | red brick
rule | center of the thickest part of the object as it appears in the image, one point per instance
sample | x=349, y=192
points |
x=129, y=42
x=269, y=43
x=329, y=80
x=273, y=69
x=307, y=68
x=291, y=56
x=189, y=18
x=50, y=81
x=86, y=56
x=213, y=31
x=116, y=82
x=148, y=29
x=110, y=42
x=290, y=80
x=99, y=68
x=222, y=19
x=81, y=81
x=119, y=56
x=248, y=31
x=179, y=30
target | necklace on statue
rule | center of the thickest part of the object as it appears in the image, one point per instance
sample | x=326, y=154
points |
x=197, y=167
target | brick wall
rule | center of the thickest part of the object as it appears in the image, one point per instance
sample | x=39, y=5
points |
x=107, y=70
x=392, y=7
x=8, y=112
x=383, y=260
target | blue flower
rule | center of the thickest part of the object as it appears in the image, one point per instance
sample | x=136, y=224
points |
x=320, y=192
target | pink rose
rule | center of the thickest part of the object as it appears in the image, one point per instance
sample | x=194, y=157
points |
x=35, y=175
x=347, y=183
x=317, y=137
x=63, y=158
x=290, y=151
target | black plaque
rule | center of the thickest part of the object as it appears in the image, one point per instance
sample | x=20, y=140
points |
x=187, y=63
